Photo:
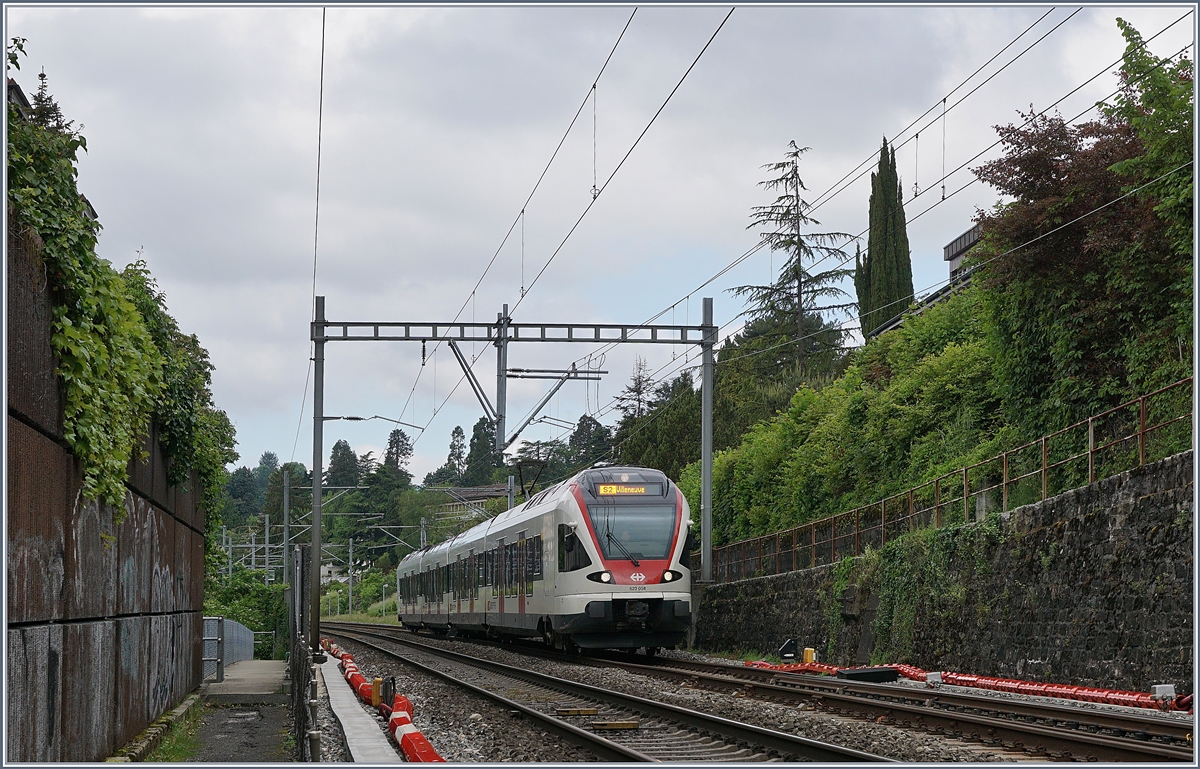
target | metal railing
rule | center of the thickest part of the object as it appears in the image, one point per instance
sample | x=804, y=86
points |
x=225, y=642
x=1098, y=447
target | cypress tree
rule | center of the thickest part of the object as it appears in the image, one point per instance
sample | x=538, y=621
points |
x=883, y=279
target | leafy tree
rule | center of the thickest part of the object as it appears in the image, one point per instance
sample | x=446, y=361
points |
x=247, y=497
x=297, y=502
x=481, y=461
x=343, y=466
x=1096, y=312
x=590, y=442
x=784, y=306
x=268, y=463
x=883, y=279
x=398, y=452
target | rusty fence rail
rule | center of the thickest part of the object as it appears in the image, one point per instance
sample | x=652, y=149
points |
x=1125, y=436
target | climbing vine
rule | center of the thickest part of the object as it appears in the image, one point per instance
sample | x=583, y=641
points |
x=121, y=358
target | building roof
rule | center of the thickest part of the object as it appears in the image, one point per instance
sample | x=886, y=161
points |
x=962, y=243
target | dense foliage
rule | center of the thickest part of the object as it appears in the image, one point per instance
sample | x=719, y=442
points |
x=121, y=357
x=245, y=598
x=883, y=278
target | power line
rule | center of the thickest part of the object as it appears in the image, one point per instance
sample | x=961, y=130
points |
x=520, y=218
x=626, y=157
x=831, y=193
x=316, y=224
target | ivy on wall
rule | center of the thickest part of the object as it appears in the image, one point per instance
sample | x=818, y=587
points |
x=122, y=359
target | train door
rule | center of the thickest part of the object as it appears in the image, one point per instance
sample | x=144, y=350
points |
x=501, y=572
x=471, y=581
x=457, y=585
x=522, y=571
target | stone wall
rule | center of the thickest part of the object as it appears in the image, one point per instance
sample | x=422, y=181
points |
x=104, y=619
x=1091, y=587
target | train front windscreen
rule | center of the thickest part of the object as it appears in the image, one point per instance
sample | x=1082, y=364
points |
x=634, y=532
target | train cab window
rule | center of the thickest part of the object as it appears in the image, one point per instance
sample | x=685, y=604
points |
x=571, y=554
x=629, y=532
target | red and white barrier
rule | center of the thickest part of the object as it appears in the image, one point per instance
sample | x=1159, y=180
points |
x=398, y=712
x=1062, y=691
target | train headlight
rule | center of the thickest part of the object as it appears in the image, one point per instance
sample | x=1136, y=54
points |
x=671, y=576
x=601, y=576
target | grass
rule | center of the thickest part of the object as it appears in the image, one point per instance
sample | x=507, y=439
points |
x=182, y=741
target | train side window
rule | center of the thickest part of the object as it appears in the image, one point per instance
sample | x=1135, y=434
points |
x=689, y=544
x=571, y=554
x=535, y=558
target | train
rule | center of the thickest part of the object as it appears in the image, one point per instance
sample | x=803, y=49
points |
x=601, y=560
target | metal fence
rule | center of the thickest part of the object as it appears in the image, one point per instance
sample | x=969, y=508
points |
x=225, y=642
x=1149, y=428
x=300, y=668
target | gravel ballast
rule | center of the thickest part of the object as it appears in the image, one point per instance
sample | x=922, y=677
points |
x=448, y=714
x=461, y=726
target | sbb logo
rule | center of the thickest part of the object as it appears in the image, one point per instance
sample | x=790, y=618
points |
x=637, y=576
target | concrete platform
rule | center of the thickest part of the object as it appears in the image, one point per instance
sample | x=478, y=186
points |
x=251, y=682
x=368, y=743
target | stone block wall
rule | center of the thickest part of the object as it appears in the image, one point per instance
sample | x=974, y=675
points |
x=104, y=619
x=1091, y=587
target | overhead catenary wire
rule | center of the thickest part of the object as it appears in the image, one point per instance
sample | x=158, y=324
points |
x=521, y=216
x=1028, y=121
x=941, y=102
x=626, y=156
x=316, y=230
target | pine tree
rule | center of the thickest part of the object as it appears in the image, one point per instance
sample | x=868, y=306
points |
x=343, y=466
x=634, y=399
x=481, y=460
x=883, y=279
x=398, y=452
x=46, y=112
x=794, y=306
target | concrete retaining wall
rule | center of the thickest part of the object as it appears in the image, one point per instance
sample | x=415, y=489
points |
x=1092, y=587
x=104, y=619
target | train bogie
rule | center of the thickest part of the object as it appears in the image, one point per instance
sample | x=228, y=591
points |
x=598, y=561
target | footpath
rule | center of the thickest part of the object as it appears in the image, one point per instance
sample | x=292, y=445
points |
x=246, y=716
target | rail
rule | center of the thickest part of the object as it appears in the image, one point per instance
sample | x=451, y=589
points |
x=1095, y=448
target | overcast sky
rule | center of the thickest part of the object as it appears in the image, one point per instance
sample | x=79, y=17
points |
x=202, y=134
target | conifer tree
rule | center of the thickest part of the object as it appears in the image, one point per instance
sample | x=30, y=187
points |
x=796, y=304
x=883, y=278
x=46, y=112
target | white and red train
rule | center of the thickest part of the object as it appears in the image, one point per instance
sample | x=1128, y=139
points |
x=599, y=561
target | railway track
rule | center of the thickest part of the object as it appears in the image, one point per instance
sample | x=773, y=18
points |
x=613, y=725
x=1050, y=730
